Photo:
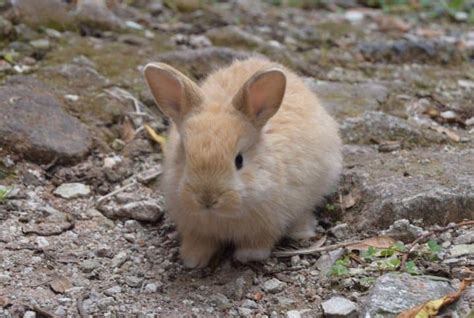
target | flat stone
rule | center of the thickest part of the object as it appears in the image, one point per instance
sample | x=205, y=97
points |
x=461, y=250
x=72, y=190
x=119, y=259
x=89, y=265
x=273, y=286
x=430, y=184
x=341, y=231
x=326, y=260
x=41, y=44
x=150, y=210
x=113, y=290
x=394, y=293
x=34, y=124
x=201, y=62
x=233, y=35
x=376, y=127
x=404, y=231
x=339, y=307
x=466, y=238
x=348, y=100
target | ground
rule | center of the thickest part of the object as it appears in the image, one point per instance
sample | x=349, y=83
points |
x=83, y=227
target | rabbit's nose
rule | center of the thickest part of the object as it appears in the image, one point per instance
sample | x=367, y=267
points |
x=207, y=200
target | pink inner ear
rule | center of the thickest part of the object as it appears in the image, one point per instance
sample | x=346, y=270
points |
x=258, y=97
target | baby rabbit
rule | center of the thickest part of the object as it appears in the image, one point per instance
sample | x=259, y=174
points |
x=249, y=155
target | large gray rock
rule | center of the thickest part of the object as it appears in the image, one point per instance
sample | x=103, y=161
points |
x=34, y=124
x=433, y=185
x=394, y=293
x=377, y=127
x=348, y=100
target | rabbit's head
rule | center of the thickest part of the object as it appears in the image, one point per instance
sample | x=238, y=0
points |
x=217, y=142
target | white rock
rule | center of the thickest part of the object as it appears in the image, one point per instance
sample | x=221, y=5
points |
x=71, y=98
x=338, y=307
x=354, y=16
x=466, y=83
x=461, y=250
x=449, y=114
x=42, y=242
x=273, y=286
x=151, y=288
x=133, y=25
x=29, y=314
x=72, y=190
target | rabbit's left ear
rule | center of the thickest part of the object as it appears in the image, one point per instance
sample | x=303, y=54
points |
x=261, y=96
x=175, y=94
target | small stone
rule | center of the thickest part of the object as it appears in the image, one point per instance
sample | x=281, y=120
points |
x=42, y=242
x=133, y=281
x=273, y=286
x=133, y=25
x=221, y=301
x=249, y=304
x=461, y=250
x=118, y=144
x=297, y=313
x=339, y=307
x=245, y=312
x=461, y=16
x=4, y=279
x=325, y=262
x=113, y=290
x=52, y=33
x=119, y=259
x=71, y=98
x=72, y=190
x=354, y=16
x=404, y=231
x=341, y=231
x=151, y=288
x=41, y=44
x=295, y=260
x=466, y=238
x=449, y=114
x=150, y=210
x=89, y=265
x=29, y=314
x=106, y=302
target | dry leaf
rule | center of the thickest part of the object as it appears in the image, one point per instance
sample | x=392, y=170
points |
x=60, y=284
x=156, y=137
x=431, y=308
x=258, y=296
x=128, y=131
x=351, y=199
x=451, y=134
x=377, y=242
x=308, y=250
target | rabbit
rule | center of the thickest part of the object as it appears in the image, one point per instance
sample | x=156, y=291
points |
x=249, y=155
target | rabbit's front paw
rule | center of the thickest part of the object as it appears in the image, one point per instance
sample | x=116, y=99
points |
x=245, y=255
x=196, y=253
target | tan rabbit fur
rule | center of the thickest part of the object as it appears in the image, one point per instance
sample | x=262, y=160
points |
x=289, y=146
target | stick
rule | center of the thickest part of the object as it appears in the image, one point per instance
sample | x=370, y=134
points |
x=116, y=191
x=423, y=237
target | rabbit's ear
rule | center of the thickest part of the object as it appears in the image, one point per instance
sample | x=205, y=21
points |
x=261, y=96
x=175, y=94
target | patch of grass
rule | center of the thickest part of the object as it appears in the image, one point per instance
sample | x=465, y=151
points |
x=4, y=191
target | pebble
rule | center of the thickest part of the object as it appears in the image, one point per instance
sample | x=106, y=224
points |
x=273, y=286
x=245, y=312
x=71, y=98
x=339, y=307
x=354, y=16
x=89, y=265
x=106, y=302
x=4, y=278
x=119, y=259
x=72, y=190
x=29, y=314
x=41, y=44
x=221, y=301
x=249, y=304
x=295, y=260
x=42, y=242
x=133, y=281
x=296, y=313
x=466, y=238
x=151, y=288
x=113, y=290
x=341, y=231
x=461, y=250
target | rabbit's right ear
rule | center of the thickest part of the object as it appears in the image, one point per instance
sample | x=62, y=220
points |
x=175, y=94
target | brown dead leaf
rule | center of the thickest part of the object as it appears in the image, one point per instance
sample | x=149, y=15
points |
x=431, y=308
x=451, y=134
x=60, y=284
x=376, y=241
x=308, y=250
x=127, y=132
x=428, y=33
x=258, y=296
x=391, y=23
x=351, y=199
x=4, y=301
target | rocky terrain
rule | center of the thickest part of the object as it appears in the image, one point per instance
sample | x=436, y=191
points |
x=83, y=228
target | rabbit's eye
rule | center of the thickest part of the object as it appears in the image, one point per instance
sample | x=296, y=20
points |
x=239, y=161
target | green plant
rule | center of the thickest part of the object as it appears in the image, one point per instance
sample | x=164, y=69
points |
x=4, y=193
x=340, y=267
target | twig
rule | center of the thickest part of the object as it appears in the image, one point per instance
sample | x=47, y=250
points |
x=111, y=194
x=426, y=235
